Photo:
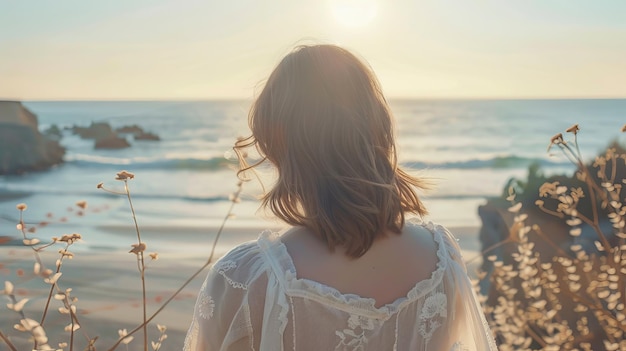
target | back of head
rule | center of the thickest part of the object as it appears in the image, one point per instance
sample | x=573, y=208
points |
x=323, y=121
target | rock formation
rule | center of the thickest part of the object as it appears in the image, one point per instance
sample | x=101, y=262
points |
x=138, y=133
x=99, y=130
x=147, y=136
x=22, y=147
x=107, y=138
x=111, y=142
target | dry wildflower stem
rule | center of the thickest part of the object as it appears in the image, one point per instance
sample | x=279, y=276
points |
x=37, y=328
x=125, y=176
x=69, y=240
x=45, y=310
x=193, y=276
x=7, y=341
x=22, y=228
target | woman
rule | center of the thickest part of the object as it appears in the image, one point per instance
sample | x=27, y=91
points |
x=352, y=272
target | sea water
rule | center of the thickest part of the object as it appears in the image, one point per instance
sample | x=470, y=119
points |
x=470, y=148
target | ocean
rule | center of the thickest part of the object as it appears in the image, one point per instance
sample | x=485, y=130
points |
x=469, y=147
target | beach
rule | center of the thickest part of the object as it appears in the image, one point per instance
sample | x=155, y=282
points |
x=108, y=288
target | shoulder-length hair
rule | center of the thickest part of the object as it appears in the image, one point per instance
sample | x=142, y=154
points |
x=323, y=121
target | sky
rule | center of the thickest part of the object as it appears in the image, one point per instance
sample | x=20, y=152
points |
x=216, y=49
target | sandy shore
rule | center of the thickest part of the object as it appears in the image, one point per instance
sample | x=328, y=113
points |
x=108, y=286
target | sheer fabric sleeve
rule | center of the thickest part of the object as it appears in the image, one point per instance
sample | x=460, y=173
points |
x=222, y=318
x=469, y=328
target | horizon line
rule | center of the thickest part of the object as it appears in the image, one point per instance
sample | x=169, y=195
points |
x=393, y=98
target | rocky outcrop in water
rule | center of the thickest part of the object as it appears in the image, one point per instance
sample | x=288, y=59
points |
x=22, y=147
x=97, y=130
x=111, y=142
x=107, y=138
x=138, y=133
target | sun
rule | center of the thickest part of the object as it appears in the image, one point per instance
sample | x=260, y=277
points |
x=354, y=13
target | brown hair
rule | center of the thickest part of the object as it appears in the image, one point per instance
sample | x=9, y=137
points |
x=323, y=121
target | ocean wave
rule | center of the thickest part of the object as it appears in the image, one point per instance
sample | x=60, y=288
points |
x=218, y=163
x=498, y=162
x=91, y=161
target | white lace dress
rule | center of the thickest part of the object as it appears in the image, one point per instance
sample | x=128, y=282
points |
x=252, y=300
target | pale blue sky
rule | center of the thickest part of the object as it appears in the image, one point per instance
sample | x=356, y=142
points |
x=169, y=49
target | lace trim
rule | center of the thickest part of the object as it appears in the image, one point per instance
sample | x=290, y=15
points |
x=221, y=267
x=269, y=250
x=435, y=309
x=282, y=265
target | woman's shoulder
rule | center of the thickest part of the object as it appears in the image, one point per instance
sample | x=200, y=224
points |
x=447, y=243
x=242, y=263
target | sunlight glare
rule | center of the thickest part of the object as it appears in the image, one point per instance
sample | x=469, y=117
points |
x=354, y=13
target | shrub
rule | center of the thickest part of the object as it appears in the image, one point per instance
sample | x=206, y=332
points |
x=565, y=294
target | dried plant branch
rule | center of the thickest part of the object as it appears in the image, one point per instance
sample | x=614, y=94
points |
x=7, y=341
x=577, y=300
x=140, y=258
x=209, y=260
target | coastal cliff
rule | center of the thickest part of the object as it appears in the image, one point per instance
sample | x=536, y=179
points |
x=22, y=147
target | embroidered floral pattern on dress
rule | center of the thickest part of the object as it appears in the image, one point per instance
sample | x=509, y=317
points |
x=224, y=266
x=434, y=310
x=458, y=346
x=354, y=339
x=350, y=341
x=206, y=305
x=356, y=321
